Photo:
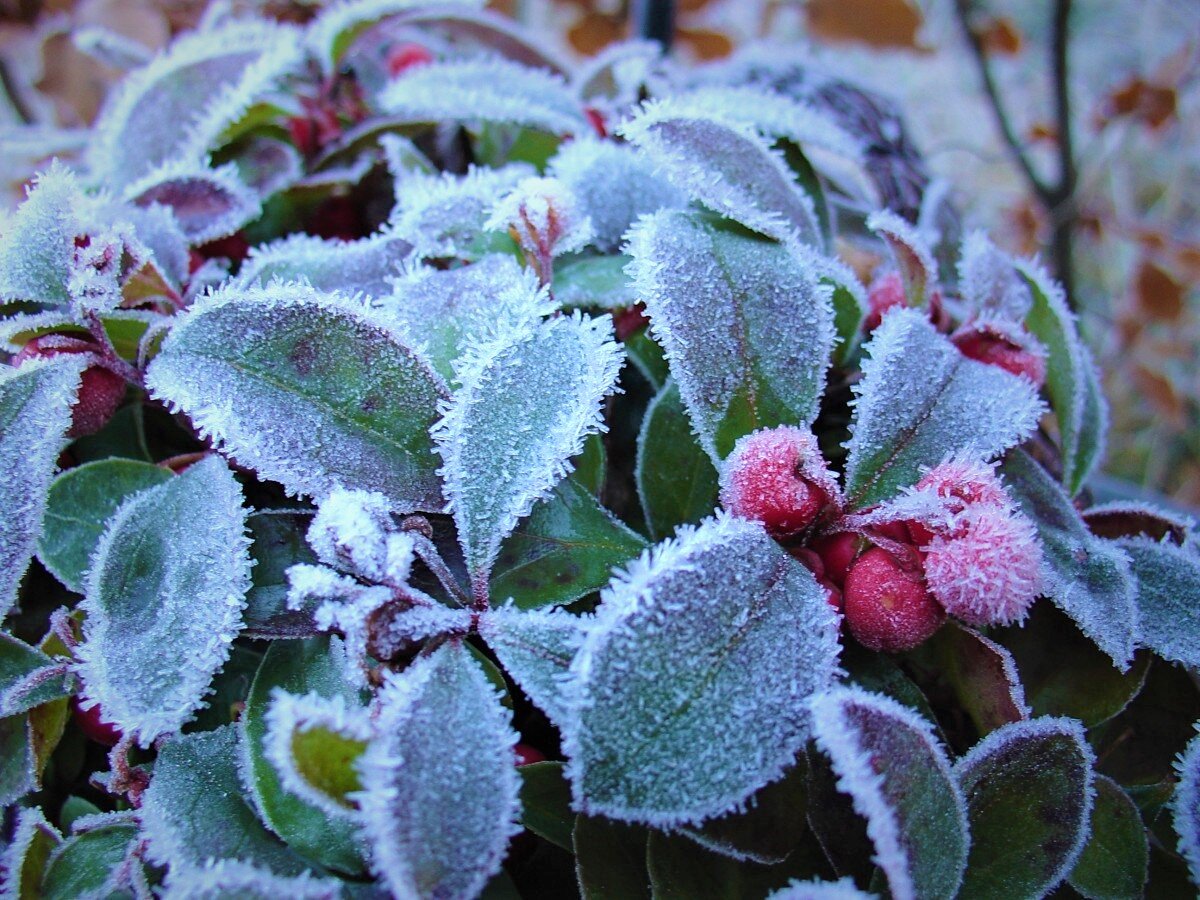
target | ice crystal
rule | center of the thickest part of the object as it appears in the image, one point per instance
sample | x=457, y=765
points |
x=842, y=889
x=354, y=531
x=37, y=243
x=220, y=879
x=536, y=648
x=364, y=266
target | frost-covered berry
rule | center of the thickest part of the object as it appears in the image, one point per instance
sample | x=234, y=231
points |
x=777, y=476
x=101, y=390
x=93, y=724
x=407, y=56
x=885, y=292
x=959, y=484
x=837, y=553
x=988, y=572
x=527, y=755
x=887, y=604
x=1007, y=347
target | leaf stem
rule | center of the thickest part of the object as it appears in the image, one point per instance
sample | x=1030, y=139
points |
x=417, y=528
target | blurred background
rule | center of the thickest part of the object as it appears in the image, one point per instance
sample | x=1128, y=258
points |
x=1066, y=129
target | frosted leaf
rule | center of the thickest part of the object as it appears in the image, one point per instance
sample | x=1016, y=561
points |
x=94, y=278
x=313, y=741
x=887, y=759
x=164, y=599
x=527, y=396
x=1168, y=598
x=35, y=413
x=614, y=79
x=353, y=530
x=443, y=215
x=989, y=282
x=177, y=106
x=440, y=791
x=1087, y=578
x=364, y=266
x=37, y=242
x=484, y=90
x=536, y=648
x=309, y=389
x=849, y=297
x=227, y=879
x=28, y=677
x=267, y=165
x=613, y=185
x=917, y=266
x=334, y=30
x=97, y=863
x=727, y=167
x=18, y=329
x=208, y=203
x=587, y=281
x=1029, y=796
x=670, y=717
x=920, y=400
x=24, y=858
x=111, y=48
x=308, y=584
x=442, y=310
x=403, y=157
x=158, y=230
x=746, y=328
x=842, y=889
x=196, y=809
x=1186, y=807
x=1071, y=378
x=18, y=763
x=543, y=216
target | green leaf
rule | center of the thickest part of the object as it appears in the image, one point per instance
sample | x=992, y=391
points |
x=314, y=666
x=888, y=760
x=1087, y=578
x=591, y=465
x=546, y=802
x=23, y=862
x=309, y=389
x=849, y=310
x=564, y=550
x=610, y=859
x=364, y=266
x=35, y=412
x=646, y=354
x=536, y=648
x=278, y=542
x=916, y=264
x=676, y=479
x=1071, y=379
x=314, y=744
x=88, y=864
x=1029, y=796
x=17, y=775
x=1168, y=598
x=164, y=600
x=593, y=282
x=440, y=789
x=683, y=870
x=1064, y=673
x=718, y=298
x=919, y=401
x=79, y=503
x=1113, y=865
x=195, y=808
x=670, y=721
x=24, y=681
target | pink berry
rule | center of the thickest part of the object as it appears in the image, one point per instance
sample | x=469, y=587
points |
x=887, y=604
x=100, y=389
x=93, y=724
x=1009, y=348
x=988, y=572
x=838, y=552
x=885, y=292
x=407, y=56
x=777, y=476
x=527, y=754
x=965, y=480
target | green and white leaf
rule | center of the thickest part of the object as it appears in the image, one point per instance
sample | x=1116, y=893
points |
x=363, y=267
x=225, y=879
x=536, y=648
x=37, y=242
x=1167, y=596
x=1185, y=807
x=94, y=864
x=918, y=270
x=23, y=861
x=28, y=677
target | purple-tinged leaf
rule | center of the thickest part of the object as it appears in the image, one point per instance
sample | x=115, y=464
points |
x=1186, y=807
x=1029, y=799
x=1130, y=519
x=207, y=203
x=1114, y=864
x=35, y=413
x=309, y=389
x=267, y=165
x=887, y=759
x=332, y=32
x=527, y=396
x=1167, y=597
x=669, y=722
x=1087, y=578
x=1071, y=378
x=364, y=267
x=920, y=401
x=440, y=796
x=917, y=267
x=164, y=600
x=727, y=167
x=718, y=300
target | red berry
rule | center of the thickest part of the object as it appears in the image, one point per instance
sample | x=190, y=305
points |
x=838, y=552
x=833, y=593
x=627, y=321
x=526, y=755
x=407, y=56
x=100, y=390
x=886, y=292
x=1005, y=348
x=93, y=724
x=887, y=604
x=777, y=476
x=234, y=247
x=596, y=120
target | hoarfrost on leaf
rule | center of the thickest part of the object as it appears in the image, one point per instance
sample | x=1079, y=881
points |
x=920, y=400
x=669, y=720
x=208, y=203
x=334, y=29
x=543, y=216
x=364, y=266
x=164, y=599
x=842, y=889
x=527, y=396
x=24, y=858
x=485, y=90
x=918, y=269
x=1185, y=807
x=1167, y=597
x=440, y=788
x=310, y=389
x=728, y=168
x=221, y=879
x=37, y=243
x=890, y=763
x=354, y=531
x=988, y=280
x=747, y=329
x=35, y=413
